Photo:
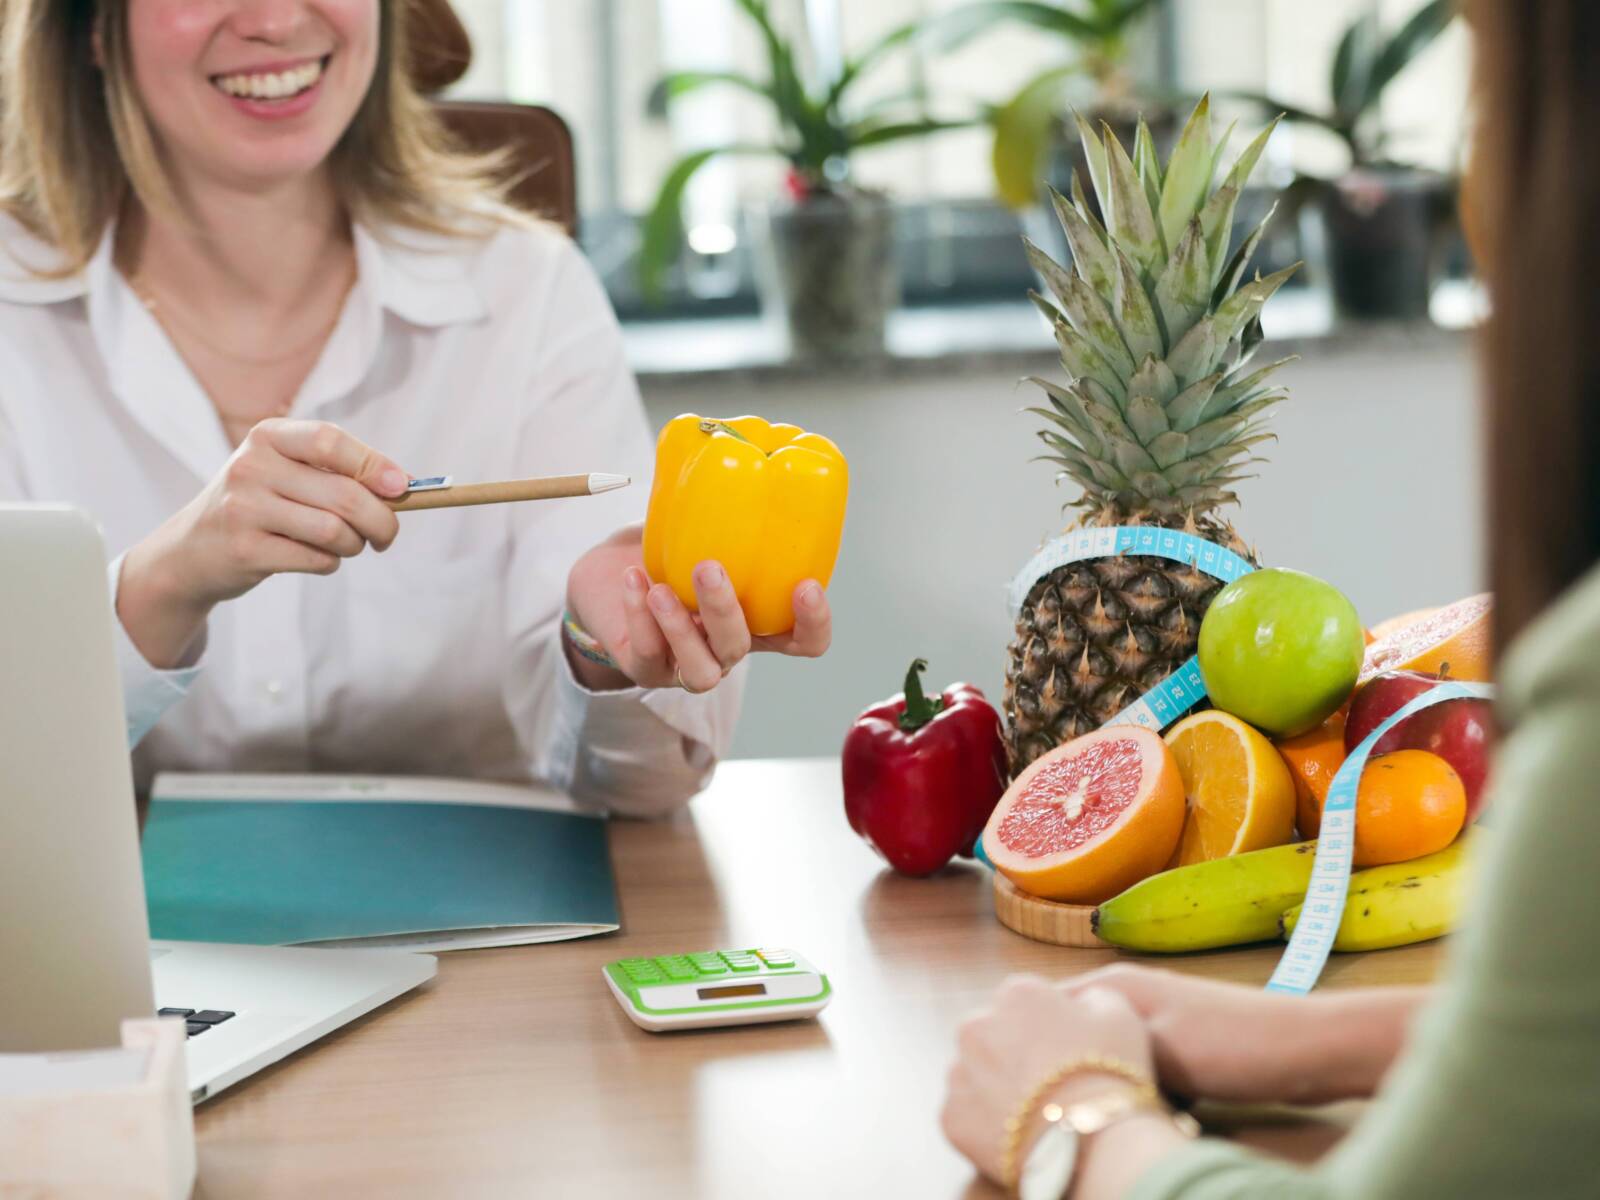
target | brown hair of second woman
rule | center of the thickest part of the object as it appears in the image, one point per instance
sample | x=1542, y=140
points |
x=1534, y=208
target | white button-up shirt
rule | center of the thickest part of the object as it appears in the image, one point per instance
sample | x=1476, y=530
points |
x=484, y=360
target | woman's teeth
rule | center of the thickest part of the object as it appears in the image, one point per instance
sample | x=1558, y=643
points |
x=275, y=86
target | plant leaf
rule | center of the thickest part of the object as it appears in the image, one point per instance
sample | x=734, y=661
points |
x=1089, y=316
x=1188, y=174
x=1241, y=308
x=1216, y=218
x=960, y=25
x=669, y=87
x=1056, y=277
x=1130, y=457
x=1135, y=316
x=1148, y=164
x=1188, y=408
x=1353, y=63
x=661, y=231
x=1195, y=355
x=1129, y=219
x=1230, y=275
x=1094, y=153
x=1168, y=449
x=1023, y=130
x=870, y=133
x=1427, y=23
x=1094, y=263
x=1083, y=361
x=856, y=66
x=1183, y=293
x=1156, y=380
x=1146, y=418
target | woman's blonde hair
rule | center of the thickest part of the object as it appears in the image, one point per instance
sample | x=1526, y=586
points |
x=75, y=139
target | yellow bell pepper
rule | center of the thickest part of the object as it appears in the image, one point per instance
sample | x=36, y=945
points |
x=765, y=501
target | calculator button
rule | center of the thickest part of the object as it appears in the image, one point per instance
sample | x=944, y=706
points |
x=740, y=964
x=711, y=968
x=679, y=971
x=773, y=959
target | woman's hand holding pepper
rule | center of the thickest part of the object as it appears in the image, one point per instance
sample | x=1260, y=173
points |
x=656, y=641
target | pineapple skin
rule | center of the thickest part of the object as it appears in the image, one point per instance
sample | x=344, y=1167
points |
x=1094, y=636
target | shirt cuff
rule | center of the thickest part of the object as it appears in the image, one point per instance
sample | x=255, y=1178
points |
x=148, y=692
x=643, y=751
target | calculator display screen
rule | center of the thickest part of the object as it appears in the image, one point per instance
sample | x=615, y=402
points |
x=731, y=990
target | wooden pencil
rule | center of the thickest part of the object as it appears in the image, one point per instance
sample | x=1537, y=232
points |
x=550, y=487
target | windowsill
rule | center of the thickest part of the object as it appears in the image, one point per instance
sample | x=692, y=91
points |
x=994, y=336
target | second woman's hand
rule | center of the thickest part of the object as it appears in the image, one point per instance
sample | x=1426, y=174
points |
x=296, y=496
x=654, y=638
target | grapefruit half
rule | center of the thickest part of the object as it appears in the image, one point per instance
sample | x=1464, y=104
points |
x=1089, y=819
x=1454, y=637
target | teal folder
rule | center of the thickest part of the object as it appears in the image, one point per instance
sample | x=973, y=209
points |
x=425, y=876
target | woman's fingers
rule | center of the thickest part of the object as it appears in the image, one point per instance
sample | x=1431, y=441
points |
x=697, y=667
x=329, y=448
x=370, y=517
x=720, y=614
x=313, y=527
x=813, y=622
x=646, y=660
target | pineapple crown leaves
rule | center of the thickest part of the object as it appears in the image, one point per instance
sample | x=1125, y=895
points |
x=1155, y=322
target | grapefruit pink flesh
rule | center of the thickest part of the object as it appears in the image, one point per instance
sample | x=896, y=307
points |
x=1455, y=636
x=1090, y=818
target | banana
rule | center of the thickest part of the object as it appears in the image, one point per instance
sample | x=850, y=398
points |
x=1223, y=902
x=1402, y=903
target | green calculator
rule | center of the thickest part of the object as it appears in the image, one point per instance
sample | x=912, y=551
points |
x=717, y=987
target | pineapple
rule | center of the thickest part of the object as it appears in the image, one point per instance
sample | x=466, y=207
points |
x=1155, y=423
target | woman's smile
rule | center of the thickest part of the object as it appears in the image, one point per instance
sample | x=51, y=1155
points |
x=274, y=89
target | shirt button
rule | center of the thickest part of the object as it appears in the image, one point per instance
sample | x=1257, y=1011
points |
x=274, y=689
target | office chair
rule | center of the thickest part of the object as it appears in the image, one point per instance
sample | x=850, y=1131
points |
x=544, y=170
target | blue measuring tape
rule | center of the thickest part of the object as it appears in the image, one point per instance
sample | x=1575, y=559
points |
x=1183, y=689
x=1313, y=937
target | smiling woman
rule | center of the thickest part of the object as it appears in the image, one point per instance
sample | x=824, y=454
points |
x=254, y=258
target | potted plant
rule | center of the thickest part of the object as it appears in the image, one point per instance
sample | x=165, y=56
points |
x=827, y=260
x=1034, y=137
x=1381, y=218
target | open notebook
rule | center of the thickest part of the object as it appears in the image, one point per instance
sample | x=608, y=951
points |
x=347, y=860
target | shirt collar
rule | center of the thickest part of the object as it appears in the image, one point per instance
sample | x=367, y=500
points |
x=421, y=278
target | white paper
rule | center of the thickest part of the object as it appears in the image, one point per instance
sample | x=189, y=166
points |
x=31, y=1075
x=385, y=788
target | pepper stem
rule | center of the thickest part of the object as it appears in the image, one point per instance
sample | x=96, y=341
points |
x=709, y=426
x=919, y=708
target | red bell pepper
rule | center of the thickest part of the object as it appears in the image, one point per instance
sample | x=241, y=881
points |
x=922, y=774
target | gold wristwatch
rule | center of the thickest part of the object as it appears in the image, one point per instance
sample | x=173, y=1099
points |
x=1048, y=1171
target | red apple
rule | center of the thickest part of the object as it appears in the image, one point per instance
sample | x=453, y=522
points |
x=1459, y=731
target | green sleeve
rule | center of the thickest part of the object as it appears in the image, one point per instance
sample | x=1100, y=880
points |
x=1498, y=1093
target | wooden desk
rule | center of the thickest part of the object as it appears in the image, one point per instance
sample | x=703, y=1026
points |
x=515, y=1073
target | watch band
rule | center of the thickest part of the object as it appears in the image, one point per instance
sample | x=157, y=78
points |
x=1088, y=1064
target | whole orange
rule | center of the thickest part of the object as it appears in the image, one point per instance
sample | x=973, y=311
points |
x=1409, y=803
x=1313, y=760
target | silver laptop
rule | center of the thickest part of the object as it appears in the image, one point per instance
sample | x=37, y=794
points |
x=75, y=950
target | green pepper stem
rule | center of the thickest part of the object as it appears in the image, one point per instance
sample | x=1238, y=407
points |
x=709, y=426
x=919, y=708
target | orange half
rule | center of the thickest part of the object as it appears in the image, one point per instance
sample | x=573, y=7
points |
x=1239, y=791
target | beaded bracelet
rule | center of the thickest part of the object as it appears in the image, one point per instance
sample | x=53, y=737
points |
x=585, y=643
x=1089, y=1064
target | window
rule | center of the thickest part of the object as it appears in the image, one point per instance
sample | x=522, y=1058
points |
x=595, y=61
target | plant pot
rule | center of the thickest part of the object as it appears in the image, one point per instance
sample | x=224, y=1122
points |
x=1383, y=228
x=825, y=267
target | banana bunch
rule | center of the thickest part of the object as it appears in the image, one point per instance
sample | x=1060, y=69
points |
x=1401, y=903
x=1257, y=897
x=1222, y=902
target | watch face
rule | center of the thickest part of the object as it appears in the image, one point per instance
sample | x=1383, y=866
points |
x=1048, y=1170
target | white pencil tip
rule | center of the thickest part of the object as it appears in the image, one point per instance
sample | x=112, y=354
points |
x=600, y=482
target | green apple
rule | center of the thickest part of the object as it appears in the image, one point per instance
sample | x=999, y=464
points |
x=1280, y=649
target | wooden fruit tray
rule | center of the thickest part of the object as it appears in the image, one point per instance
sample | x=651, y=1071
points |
x=1044, y=920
